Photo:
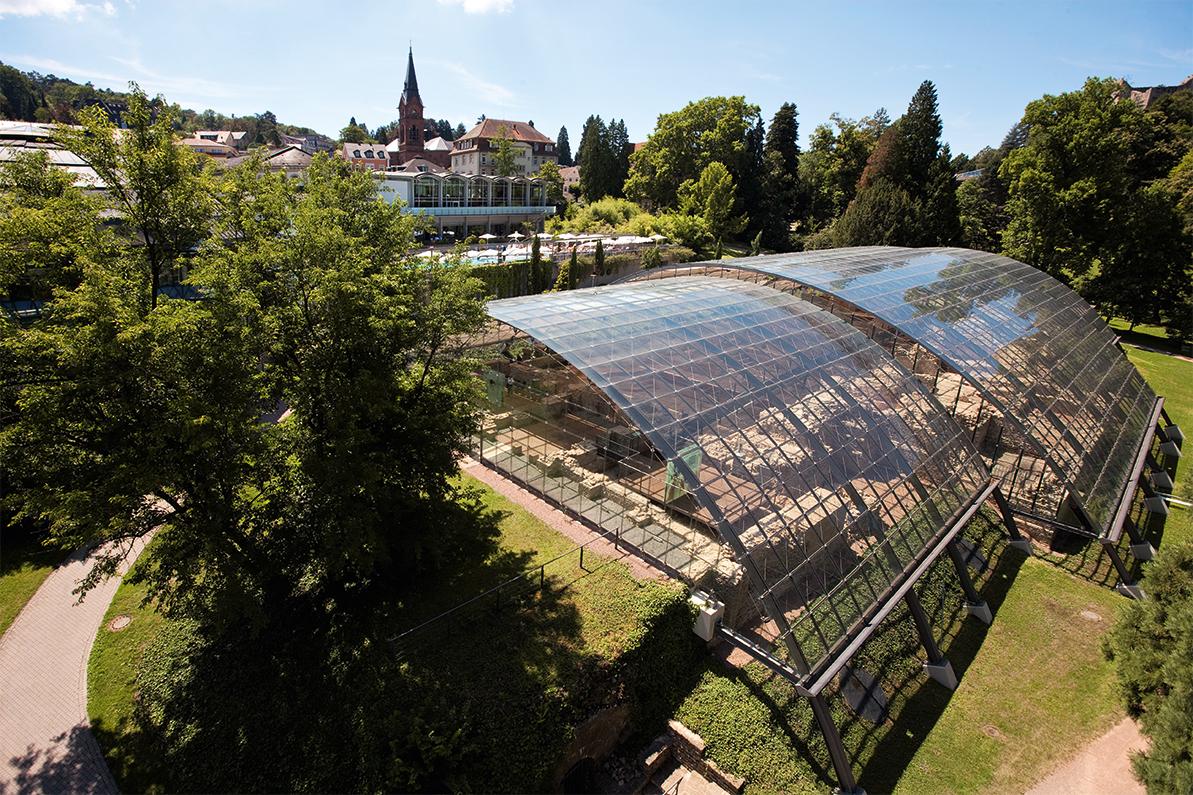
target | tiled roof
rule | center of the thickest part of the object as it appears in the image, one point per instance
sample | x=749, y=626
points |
x=517, y=130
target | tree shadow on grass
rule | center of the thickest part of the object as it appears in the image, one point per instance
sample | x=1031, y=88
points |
x=72, y=763
x=917, y=702
x=894, y=656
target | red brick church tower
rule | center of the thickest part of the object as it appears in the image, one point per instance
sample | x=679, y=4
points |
x=412, y=125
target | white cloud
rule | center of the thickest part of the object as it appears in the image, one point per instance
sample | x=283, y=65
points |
x=481, y=6
x=185, y=90
x=62, y=9
x=491, y=93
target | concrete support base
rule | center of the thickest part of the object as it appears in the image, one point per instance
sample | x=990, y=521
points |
x=1144, y=551
x=942, y=672
x=1131, y=591
x=1170, y=450
x=855, y=791
x=980, y=611
x=1156, y=505
x=1023, y=545
x=1161, y=481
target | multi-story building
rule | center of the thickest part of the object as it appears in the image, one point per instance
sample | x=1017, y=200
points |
x=237, y=139
x=468, y=204
x=473, y=152
x=210, y=147
x=370, y=156
x=310, y=143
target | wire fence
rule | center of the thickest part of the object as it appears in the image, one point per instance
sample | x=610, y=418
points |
x=510, y=594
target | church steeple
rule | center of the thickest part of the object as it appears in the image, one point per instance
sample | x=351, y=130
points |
x=410, y=90
x=411, y=124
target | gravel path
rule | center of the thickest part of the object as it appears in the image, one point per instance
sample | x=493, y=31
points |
x=1101, y=768
x=46, y=743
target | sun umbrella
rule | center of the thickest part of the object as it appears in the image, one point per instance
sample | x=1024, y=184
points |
x=656, y=237
x=566, y=236
x=544, y=235
x=516, y=236
x=488, y=236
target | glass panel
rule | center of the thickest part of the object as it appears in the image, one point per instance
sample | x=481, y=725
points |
x=1033, y=348
x=788, y=432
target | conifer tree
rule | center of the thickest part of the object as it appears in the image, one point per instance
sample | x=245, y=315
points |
x=564, y=147
x=598, y=259
x=593, y=159
x=780, y=203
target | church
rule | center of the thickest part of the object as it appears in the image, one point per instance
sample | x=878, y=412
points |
x=411, y=143
x=473, y=152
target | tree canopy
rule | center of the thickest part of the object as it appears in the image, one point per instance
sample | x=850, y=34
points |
x=684, y=142
x=1088, y=204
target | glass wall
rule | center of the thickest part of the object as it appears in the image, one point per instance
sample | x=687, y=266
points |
x=819, y=461
x=1013, y=342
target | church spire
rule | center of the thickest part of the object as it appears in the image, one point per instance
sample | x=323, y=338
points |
x=410, y=90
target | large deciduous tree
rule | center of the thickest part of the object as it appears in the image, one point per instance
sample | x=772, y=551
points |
x=505, y=156
x=1087, y=205
x=714, y=129
x=711, y=197
x=160, y=189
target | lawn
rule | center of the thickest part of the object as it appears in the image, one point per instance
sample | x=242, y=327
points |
x=1173, y=378
x=1038, y=689
x=1142, y=334
x=597, y=636
x=24, y=565
x=1034, y=686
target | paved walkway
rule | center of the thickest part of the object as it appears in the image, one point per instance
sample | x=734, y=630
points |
x=559, y=521
x=1102, y=768
x=46, y=745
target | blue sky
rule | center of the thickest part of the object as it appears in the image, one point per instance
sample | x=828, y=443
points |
x=557, y=62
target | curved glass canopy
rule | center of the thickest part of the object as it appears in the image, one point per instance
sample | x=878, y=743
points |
x=1028, y=343
x=824, y=464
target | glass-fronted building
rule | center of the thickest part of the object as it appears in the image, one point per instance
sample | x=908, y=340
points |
x=803, y=435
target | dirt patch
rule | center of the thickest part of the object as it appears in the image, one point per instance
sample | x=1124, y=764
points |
x=992, y=731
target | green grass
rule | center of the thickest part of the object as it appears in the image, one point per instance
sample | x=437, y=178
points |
x=1142, y=334
x=1173, y=379
x=520, y=677
x=24, y=566
x=1038, y=689
x=111, y=681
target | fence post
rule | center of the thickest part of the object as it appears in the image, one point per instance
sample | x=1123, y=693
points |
x=582, y=559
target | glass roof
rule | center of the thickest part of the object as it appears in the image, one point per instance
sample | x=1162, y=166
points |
x=1033, y=347
x=823, y=462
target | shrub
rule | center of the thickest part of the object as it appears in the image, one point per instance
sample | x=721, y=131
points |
x=1152, y=646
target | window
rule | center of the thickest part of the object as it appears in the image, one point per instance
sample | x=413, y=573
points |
x=369, y=154
x=356, y=153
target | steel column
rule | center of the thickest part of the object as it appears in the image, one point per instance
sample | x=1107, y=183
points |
x=836, y=748
x=924, y=627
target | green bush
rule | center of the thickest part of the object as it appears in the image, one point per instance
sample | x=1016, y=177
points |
x=507, y=279
x=1152, y=646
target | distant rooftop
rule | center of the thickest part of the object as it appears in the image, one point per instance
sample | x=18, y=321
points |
x=517, y=130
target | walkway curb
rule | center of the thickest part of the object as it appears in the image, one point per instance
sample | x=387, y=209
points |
x=46, y=744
